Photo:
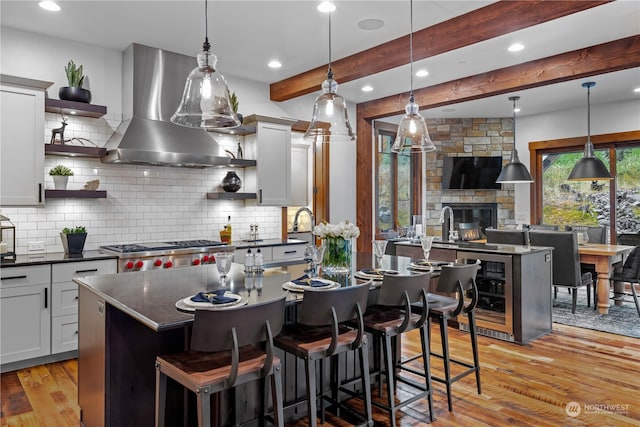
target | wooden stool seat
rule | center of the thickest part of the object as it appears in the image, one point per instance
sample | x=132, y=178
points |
x=228, y=348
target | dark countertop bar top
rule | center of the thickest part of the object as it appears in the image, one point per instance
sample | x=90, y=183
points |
x=245, y=244
x=54, y=258
x=150, y=296
x=479, y=247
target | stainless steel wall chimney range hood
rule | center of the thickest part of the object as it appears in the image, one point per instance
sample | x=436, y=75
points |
x=153, y=81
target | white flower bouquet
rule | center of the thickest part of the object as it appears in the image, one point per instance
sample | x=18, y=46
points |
x=344, y=229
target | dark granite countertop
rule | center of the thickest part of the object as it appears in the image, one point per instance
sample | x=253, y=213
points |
x=54, y=258
x=481, y=247
x=245, y=244
x=150, y=296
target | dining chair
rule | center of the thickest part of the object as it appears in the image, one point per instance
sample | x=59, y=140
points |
x=329, y=323
x=387, y=318
x=629, y=273
x=539, y=227
x=511, y=237
x=566, y=262
x=630, y=239
x=596, y=234
x=228, y=348
x=459, y=280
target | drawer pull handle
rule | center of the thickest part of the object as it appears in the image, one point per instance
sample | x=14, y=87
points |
x=91, y=270
x=290, y=252
x=14, y=277
x=46, y=297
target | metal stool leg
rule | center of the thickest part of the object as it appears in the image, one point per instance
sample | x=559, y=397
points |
x=161, y=396
x=310, y=371
x=444, y=334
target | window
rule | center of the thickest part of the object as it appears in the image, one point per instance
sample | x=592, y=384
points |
x=612, y=203
x=397, y=183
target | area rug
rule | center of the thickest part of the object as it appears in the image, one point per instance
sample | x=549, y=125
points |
x=622, y=319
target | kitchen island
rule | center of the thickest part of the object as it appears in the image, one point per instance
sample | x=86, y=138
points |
x=128, y=319
x=514, y=286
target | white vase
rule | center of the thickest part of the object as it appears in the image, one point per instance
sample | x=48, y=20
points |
x=60, y=182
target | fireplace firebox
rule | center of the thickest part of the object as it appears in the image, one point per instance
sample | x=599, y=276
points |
x=485, y=214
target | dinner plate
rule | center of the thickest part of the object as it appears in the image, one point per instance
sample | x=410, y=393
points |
x=428, y=266
x=290, y=286
x=187, y=305
x=373, y=276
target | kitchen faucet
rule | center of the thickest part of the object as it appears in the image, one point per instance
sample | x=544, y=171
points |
x=299, y=211
x=446, y=224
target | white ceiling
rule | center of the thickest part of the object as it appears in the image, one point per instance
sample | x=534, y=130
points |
x=246, y=35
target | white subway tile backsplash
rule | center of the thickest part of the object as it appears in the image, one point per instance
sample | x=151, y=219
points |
x=144, y=203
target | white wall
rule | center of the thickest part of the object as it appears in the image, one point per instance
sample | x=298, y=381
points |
x=605, y=118
x=144, y=202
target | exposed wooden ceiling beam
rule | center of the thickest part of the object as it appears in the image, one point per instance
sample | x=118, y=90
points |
x=603, y=58
x=482, y=24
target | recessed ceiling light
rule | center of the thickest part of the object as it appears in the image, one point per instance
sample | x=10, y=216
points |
x=516, y=47
x=637, y=90
x=371, y=24
x=274, y=64
x=367, y=88
x=49, y=5
x=326, y=6
x=422, y=73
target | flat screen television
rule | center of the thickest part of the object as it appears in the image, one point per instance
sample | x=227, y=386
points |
x=473, y=173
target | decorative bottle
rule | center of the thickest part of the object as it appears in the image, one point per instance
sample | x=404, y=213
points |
x=258, y=262
x=248, y=262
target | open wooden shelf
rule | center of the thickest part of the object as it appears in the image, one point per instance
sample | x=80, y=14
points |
x=78, y=108
x=241, y=163
x=78, y=194
x=73, y=150
x=230, y=196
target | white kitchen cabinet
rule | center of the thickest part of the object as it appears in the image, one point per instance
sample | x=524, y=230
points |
x=22, y=147
x=25, y=313
x=270, y=146
x=64, y=300
x=299, y=175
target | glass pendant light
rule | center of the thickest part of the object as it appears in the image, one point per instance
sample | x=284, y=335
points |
x=413, y=135
x=514, y=172
x=330, y=122
x=205, y=100
x=589, y=167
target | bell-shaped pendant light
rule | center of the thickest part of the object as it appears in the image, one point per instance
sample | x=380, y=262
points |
x=514, y=172
x=330, y=122
x=589, y=167
x=205, y=100
x=413, y=135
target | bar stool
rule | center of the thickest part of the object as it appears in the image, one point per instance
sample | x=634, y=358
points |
x=460, y=278
x=226, y=351
x=390, y=317
x=321, y=332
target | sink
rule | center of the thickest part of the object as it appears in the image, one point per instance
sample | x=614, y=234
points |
x=301, y=235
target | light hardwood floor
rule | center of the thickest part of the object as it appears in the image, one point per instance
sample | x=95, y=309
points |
x=521, y=385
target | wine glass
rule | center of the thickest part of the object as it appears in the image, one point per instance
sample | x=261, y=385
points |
x=317, y=253
x=223, y=264
x=426, y=242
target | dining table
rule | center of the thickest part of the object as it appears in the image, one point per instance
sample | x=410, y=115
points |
x=603, y=257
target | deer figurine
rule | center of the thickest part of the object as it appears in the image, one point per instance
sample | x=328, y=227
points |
x=59, y=131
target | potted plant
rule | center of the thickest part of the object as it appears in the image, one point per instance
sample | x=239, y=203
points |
x=60, y=175
x=75, y=91
x=73, y=240
x=233, y=99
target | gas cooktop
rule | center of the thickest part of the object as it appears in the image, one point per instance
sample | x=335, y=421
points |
x=159, y=246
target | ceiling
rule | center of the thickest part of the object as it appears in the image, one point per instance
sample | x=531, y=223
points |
x=246, y=35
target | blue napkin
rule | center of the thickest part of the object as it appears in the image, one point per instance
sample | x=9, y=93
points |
x=378, y=271
x=307, y=281
x=213, y=297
